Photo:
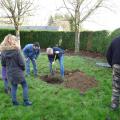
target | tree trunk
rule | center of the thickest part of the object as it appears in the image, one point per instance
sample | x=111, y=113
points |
x=18, y=35
x=77, y=30
x=77, y=41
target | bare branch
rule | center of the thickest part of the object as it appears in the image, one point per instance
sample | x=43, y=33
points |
x=86, y=6
x=16, y=11
x=68, y=9
x=91, y=10
x=82, y=10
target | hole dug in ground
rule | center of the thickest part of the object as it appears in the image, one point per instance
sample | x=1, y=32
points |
x=73, y=79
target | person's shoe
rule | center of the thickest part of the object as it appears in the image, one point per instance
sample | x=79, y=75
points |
x=6, y=91
x=36, y=75
x=15, y=103
x=27, y=103
x=9, y=90
x=27, y=75
x=114, y=106
x=62, y=78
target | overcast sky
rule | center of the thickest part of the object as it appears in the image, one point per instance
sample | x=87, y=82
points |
x=104, y=19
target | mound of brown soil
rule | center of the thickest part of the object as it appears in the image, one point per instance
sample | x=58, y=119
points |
x=73, y=79
x=79, y=80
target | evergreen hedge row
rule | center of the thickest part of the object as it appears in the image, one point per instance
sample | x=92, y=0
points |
x=92, y=41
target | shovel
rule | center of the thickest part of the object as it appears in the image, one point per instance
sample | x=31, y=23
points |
x=54, y=65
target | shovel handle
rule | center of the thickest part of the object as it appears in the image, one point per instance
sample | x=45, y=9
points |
x=54, y=58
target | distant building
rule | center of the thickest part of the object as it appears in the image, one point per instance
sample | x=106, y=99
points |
x=64, y=23
x=41, y=28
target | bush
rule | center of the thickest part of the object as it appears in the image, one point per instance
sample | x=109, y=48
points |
x=92, y=41
x=4, y=32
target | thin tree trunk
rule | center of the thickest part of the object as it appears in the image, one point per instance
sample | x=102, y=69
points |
x=77, y=41
x=18, y=35
x=77, y=30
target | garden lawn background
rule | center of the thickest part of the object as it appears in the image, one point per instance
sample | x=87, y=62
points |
x=54, y=102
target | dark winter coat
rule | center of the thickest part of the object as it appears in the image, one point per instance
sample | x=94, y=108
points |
x=14, y=63
x=4, y=76
x=56, y=56
x=113, y=52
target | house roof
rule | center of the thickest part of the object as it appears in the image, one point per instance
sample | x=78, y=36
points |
x=43, y=28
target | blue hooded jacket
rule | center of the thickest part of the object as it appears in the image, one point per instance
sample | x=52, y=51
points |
x=30, y=52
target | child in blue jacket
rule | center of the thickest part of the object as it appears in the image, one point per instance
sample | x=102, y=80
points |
x=31, y=52
x=56, y=53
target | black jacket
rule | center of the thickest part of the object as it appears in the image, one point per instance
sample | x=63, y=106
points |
x=14, y=63
x=113, y=52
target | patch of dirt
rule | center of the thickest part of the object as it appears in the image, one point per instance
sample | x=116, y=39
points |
x=56, y=79
x=84, y=53
x=73, y=79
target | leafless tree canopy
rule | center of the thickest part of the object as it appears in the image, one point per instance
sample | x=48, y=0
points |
x=80, y=10
x=17, y=10
x=84, y=7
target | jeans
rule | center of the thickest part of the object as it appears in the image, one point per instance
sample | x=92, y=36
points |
x=61, y=59
x=6, y=84
x=4, y=77
x=28, y=66
x=14, y=90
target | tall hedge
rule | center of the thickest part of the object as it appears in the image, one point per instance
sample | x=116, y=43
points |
x=92, y=41
x=45, y=38
x=68, y=39
x=4, y=32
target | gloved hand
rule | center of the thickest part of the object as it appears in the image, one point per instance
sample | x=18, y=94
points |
x=53, y=63
x=34, y=59
x=57, y=52
x=26, y=59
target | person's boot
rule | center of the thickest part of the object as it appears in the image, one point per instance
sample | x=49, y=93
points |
x=9, y=90
x=114, y=106
x=27, y=103
x=27, y=75
x=36, y=75
x=6, y=91
x=15, y=103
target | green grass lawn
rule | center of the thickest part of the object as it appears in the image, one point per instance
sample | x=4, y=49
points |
x=54, y=102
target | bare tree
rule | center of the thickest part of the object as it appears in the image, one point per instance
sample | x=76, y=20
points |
x=16, y=11
x=80, y=10
x=50, y=21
